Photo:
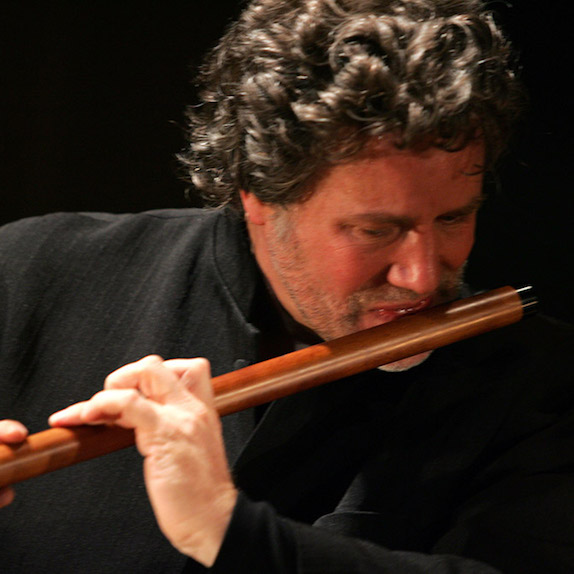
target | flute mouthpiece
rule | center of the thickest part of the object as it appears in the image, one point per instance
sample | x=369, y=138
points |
x=529, y=300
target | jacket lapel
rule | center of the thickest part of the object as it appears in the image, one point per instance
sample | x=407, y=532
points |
x=307, y=448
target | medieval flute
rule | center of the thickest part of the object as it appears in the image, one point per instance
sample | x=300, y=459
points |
x=260, y=383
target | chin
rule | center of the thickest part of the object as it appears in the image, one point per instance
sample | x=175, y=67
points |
x=405, y=364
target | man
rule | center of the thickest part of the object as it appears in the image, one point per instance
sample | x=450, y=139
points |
x=350, y=140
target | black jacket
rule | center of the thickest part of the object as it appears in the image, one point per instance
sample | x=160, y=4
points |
x=467, y=457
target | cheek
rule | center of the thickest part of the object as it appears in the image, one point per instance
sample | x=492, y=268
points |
x=344, y=270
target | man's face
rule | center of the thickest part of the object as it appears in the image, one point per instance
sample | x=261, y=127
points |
x=380, y=236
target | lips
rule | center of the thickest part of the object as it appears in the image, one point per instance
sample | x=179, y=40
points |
x=389, y=312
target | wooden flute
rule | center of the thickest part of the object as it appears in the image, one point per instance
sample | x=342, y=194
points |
x=260, y=383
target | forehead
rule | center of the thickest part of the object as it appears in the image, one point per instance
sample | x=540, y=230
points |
x=383, y=175
x=384, y=155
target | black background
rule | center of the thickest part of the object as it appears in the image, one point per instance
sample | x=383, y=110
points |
x=92, y=98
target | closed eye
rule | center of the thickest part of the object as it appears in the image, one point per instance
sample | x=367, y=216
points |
x=379, y=234
x=455, y=218
x=460, y=216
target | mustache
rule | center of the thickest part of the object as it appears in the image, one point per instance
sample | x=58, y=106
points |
x=448, y=289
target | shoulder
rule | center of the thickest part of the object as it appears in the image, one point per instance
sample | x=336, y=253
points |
x=62, y=236
x=64, y=251
x=87, y=225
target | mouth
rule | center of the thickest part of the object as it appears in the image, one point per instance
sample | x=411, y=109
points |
x=389, y=312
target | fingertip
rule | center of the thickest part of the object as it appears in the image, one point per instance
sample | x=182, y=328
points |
x=183, y=367
x=150, y=359
x=70, y=416
x=203, y=366
x=55, y=419
x=197, y=379
x=196, y=370
x=64, y=418
x=128, y=376
x=6, y=496
x=12, y=431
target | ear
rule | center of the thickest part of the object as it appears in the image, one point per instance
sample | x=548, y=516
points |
x=256, y=211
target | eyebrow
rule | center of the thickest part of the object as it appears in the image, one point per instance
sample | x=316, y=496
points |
x=473, y=205
x=381, y=217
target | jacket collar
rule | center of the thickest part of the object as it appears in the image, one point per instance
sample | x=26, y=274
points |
x=234, y=261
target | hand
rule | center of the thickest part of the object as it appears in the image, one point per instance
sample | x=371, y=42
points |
x=169, y=404
x=11, y=432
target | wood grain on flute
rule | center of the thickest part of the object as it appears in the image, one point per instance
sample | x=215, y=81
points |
x=257, y=384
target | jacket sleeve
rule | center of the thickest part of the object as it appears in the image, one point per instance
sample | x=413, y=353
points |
x=262, y=542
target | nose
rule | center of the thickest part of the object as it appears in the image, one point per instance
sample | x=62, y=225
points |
x=416, y=264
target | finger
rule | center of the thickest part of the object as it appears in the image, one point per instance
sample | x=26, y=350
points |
x=70, y=416
x=130, y=376
x=6, y=496
x=126, y=408
x=180, y=366
x=111, y=406
x=194, y=376
x=12, y=431
x=149, y=376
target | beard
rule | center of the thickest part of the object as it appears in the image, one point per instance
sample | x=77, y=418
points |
x=329, y=315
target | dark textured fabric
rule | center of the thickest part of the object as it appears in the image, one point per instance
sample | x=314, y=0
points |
x=467, y=457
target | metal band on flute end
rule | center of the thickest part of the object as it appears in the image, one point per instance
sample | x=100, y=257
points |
x=432, y=328
x=529, y=300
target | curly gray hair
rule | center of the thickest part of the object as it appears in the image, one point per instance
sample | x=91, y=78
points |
x=298, y=84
